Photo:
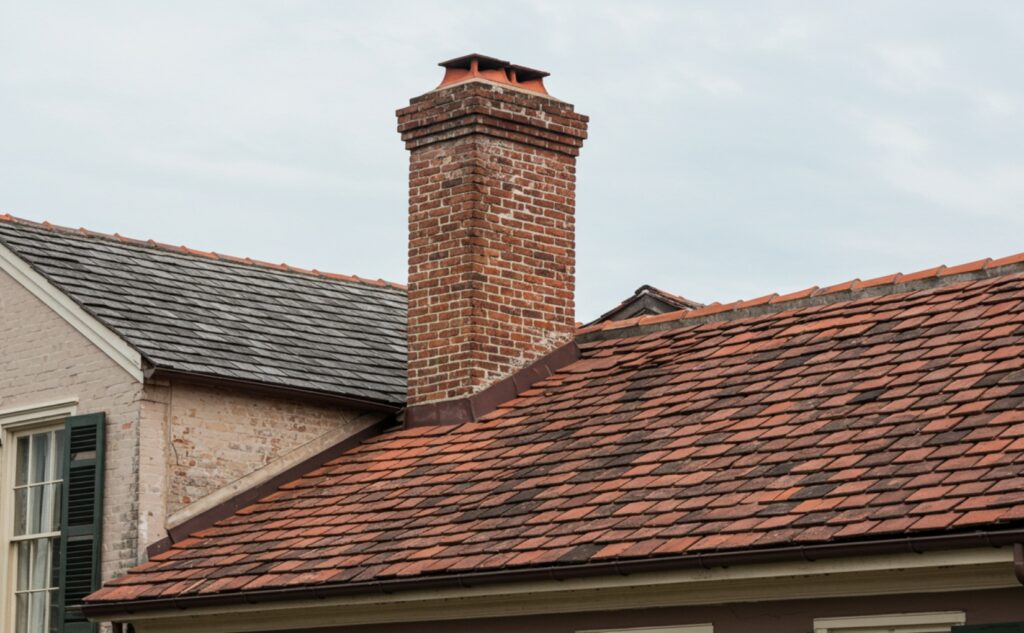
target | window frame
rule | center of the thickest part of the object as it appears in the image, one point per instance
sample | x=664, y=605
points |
x=923, y=622
x=14, y=423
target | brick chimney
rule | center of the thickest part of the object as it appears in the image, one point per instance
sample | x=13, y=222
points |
x=492, y=176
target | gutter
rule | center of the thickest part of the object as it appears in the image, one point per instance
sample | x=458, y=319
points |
x=809, y=553
x=284, y=390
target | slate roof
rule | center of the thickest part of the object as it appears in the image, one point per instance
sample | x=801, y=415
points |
x=229, y=318
x=890, y=412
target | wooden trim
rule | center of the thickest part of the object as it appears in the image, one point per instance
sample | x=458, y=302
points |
x=87, y=325
x=937, y=622
x=684, y=628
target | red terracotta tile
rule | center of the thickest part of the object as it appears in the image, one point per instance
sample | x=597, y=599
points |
x=864, y=416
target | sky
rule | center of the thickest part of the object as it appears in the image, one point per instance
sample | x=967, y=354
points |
x=736, y=148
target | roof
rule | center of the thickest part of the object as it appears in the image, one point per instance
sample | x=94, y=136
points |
x=228, y=318
x=647, y=301
x=863, y=417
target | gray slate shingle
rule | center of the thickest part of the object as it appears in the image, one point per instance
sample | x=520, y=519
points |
x=219, y=318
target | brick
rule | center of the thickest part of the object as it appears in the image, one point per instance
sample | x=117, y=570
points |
x=491, y=234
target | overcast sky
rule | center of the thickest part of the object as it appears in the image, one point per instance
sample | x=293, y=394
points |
x=735, y=148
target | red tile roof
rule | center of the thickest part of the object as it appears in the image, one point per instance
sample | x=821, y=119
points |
x=848, y=289
x=862, y=417
x=648, y=300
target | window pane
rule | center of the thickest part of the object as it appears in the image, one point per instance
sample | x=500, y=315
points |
x=40, y=563
x=54, y=611
x=21, y=469
x=58, y=454
x=38, y=608
x=20, y=511
x=55, y=511
x=35, y=509
x=24, y=564
x=47, y=524
x=40, y=457
x=21, y=613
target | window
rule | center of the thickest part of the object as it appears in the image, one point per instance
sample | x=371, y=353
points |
x=35, y=544
x=51, y=496
x=942, y=622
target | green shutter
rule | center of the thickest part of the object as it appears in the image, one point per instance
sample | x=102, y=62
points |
x=990, y=628
x=81, y=519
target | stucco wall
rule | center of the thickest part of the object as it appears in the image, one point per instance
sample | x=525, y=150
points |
x=215, y=435
x=45, y=360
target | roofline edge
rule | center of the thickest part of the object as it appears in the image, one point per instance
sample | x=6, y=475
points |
x=271, y=388
x=123, y=610
x=116, y=347
x=640, y=326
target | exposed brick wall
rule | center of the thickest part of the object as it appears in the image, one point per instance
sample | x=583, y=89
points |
x=492, y=178
x=217, y=435
x=44, y=360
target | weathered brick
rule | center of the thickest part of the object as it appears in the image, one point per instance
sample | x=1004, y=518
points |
x=492, y=179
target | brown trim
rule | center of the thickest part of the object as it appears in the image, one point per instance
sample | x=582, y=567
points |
x=909, y=544
x=252, y=495
x=480, y=404
x=1018, y=561
x=255, y=386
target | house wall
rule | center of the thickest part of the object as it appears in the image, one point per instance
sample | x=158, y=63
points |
x=212, y=436
x=168, y=444
x=46, y=360
x=793, y=616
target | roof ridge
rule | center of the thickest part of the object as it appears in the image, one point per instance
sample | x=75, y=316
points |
x=847, y=290
x=117, y=237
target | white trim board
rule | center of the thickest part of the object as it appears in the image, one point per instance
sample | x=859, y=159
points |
x=87, y=325
x=895, y=622
x=33, y=414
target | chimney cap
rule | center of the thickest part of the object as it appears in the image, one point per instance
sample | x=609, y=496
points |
x=525, y=73
x=475, y=65
x=465, y=61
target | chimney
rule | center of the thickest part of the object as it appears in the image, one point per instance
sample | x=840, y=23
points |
x=492, y=179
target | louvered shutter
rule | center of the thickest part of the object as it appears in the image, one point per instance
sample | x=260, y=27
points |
x=82, y=519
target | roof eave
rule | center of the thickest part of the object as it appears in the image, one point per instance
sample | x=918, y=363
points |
x=124, y=610
x=359, y=402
